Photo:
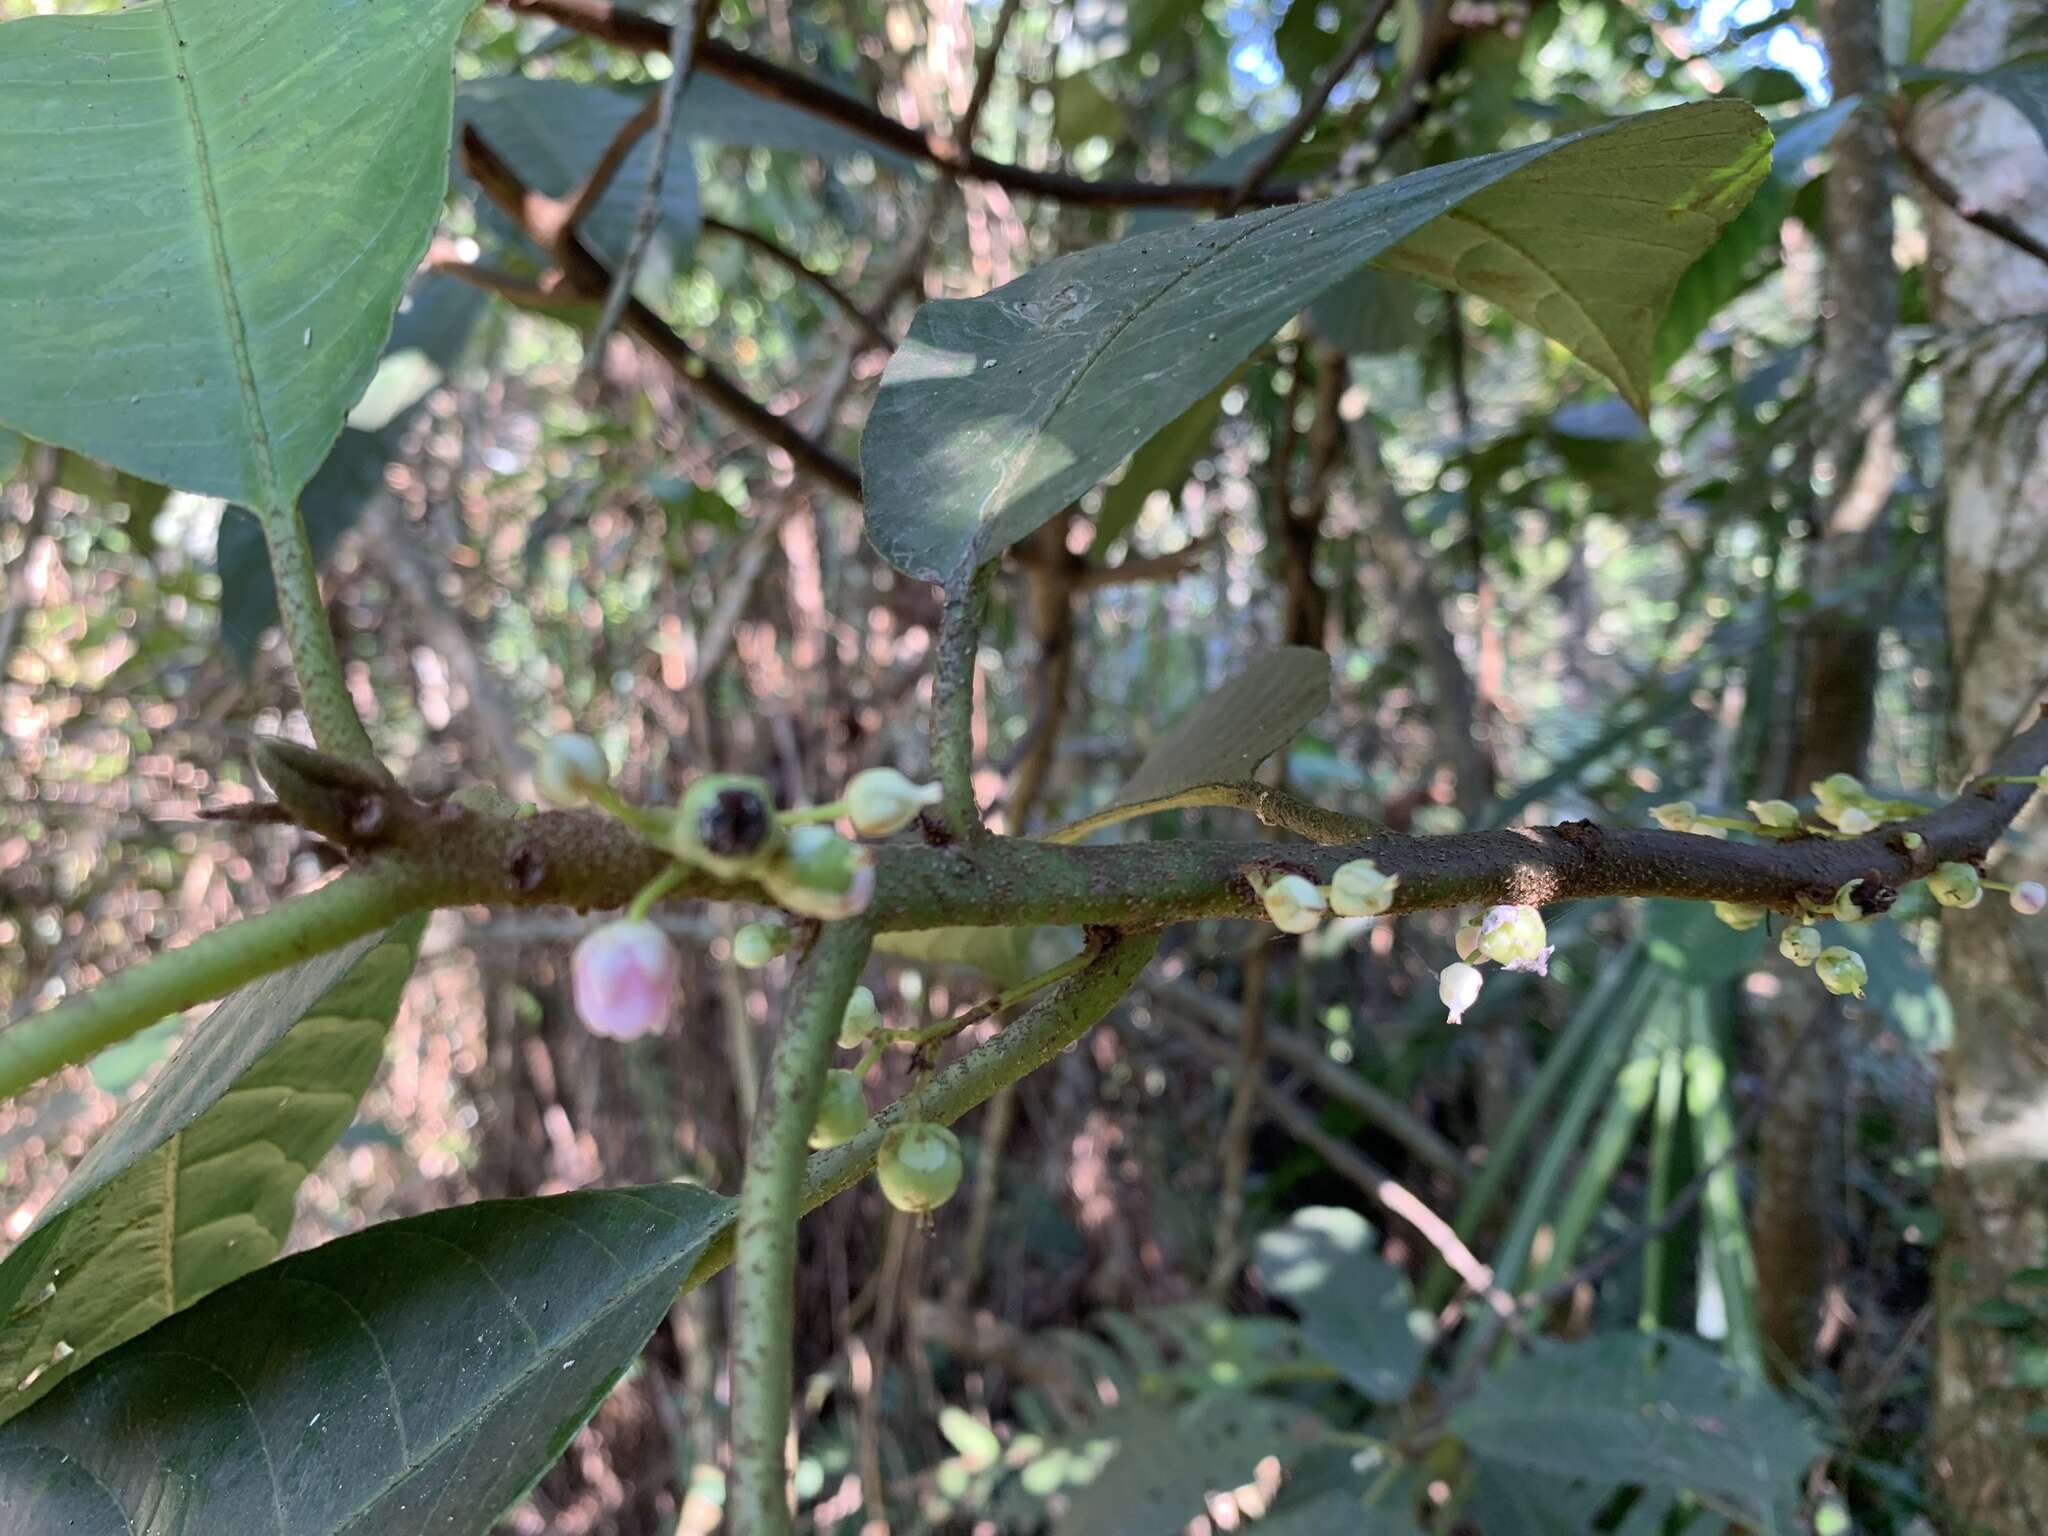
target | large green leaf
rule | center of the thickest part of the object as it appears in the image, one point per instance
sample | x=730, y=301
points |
x=1233, y=730
x=1356, y=1309
x=1163, y=464
x=999, y=411
x=1658, y=1410
x=194, y=1184
x=415, y=1377
x=212, y=208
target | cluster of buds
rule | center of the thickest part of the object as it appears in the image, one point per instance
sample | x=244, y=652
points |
x=1296, y=904
x=1840, y=969
x=1511, y=937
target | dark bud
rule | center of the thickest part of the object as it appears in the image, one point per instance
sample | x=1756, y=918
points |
x=736, y=824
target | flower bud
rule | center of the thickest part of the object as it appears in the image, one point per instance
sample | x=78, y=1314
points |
x=919, y=1166
x=1293, y=904
x=570, y=767
x=1802, y=946
x=1466, y=939
x=1956, y=885
x=842, y=1110
x=2028, y=897
x=1845, y=909
x=1841, y=971
x=821, y=874
x=860, y=1019
x=1780, y=815
x=881, y=801
x=726, y=824
x=757, y=944
x=1458, y=988
x=1853, y=820
x=1739, y=917
x=1513, y=937
x=624, y=977
x=1678, y=816
x=1839, y=789
x=1360, y=889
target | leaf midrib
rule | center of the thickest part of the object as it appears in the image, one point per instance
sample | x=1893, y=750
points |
x=269, y=481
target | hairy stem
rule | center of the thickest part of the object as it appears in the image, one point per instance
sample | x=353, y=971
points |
x=765, y=1231
x=322, y=688
x=1274, y=808
x=953, y=702
x=211, y=966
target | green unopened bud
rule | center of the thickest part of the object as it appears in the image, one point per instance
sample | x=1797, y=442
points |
x=726, y=824
x=570, y=767
x=758, y=944
x=919, y=1166
x=821, y=874
x=1779, y=815
x=1737, y=916
x=1678, y=816
x=881, y=801
x=1840, y=789
x=1515, y=937
x=859, y=1021
x=1853, y=820
x=1294, y=904
x=1802, y=946
x=842, y=1110
x=1841, y=971
x=1361, y=889
x=1956, y=885
x=1911, y=840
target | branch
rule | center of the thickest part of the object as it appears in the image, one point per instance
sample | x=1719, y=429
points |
x=1946, y=192
x=629, y=29
x=1045, y=1030
x=1312, y=103
x=763, y=1358
x=953, y=702
x=544, y=221
x=593, y=187
x=683, y=41
x=323, y=688
x=796, y=264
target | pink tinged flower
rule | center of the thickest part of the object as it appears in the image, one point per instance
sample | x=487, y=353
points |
x=2028, y=897
x=625, y=977
x=1458, y=987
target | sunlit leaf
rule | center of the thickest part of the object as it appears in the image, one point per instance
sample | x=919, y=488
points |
x=1356, y=1309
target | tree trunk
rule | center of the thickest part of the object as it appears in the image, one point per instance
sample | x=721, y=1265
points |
x=1799, y=1180
x=1994, y=1141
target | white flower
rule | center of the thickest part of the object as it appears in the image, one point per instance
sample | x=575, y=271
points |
x=1458, y=987
x=1467, y=938
x=881, y=801
x=624, y=978
x=1360, y=889
x=1293, y=904
x=2028, y=897
x=1513, y=937
x=1781, y=815
x=1956, y=885
x=1841, y=970
x=1802, y=946
x=570, y=767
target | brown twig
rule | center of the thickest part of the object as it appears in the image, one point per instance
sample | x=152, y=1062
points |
x=1947, y=193
x=544, y=221
x=984, y=78
x=869, y=325
x=683, y=41
x=1312, y=103
x=594, y=186
x=629, y=29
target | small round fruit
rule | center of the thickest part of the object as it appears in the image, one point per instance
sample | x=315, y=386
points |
x=919, y=1166
x=842, y=1110
x=726, y=823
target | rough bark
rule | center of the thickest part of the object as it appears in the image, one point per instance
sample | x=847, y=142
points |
x=1799, y=1180
x=1993, y=1189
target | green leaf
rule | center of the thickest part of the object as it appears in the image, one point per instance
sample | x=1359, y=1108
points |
x=433, y=330
x=415, y=1377
x=999, y=411
x=1686, y=938
x=1163, y=464
x=1658, y=1410
x=1525, y=1503
x=1356, y=1310
x=212, y=208
x=1082, y=110
x=553, y=131
x=2022, y=81
x=1342, y=1514
x=719, y=111
x=194, y=1184
x=1929, y=22
x=1233, y=730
